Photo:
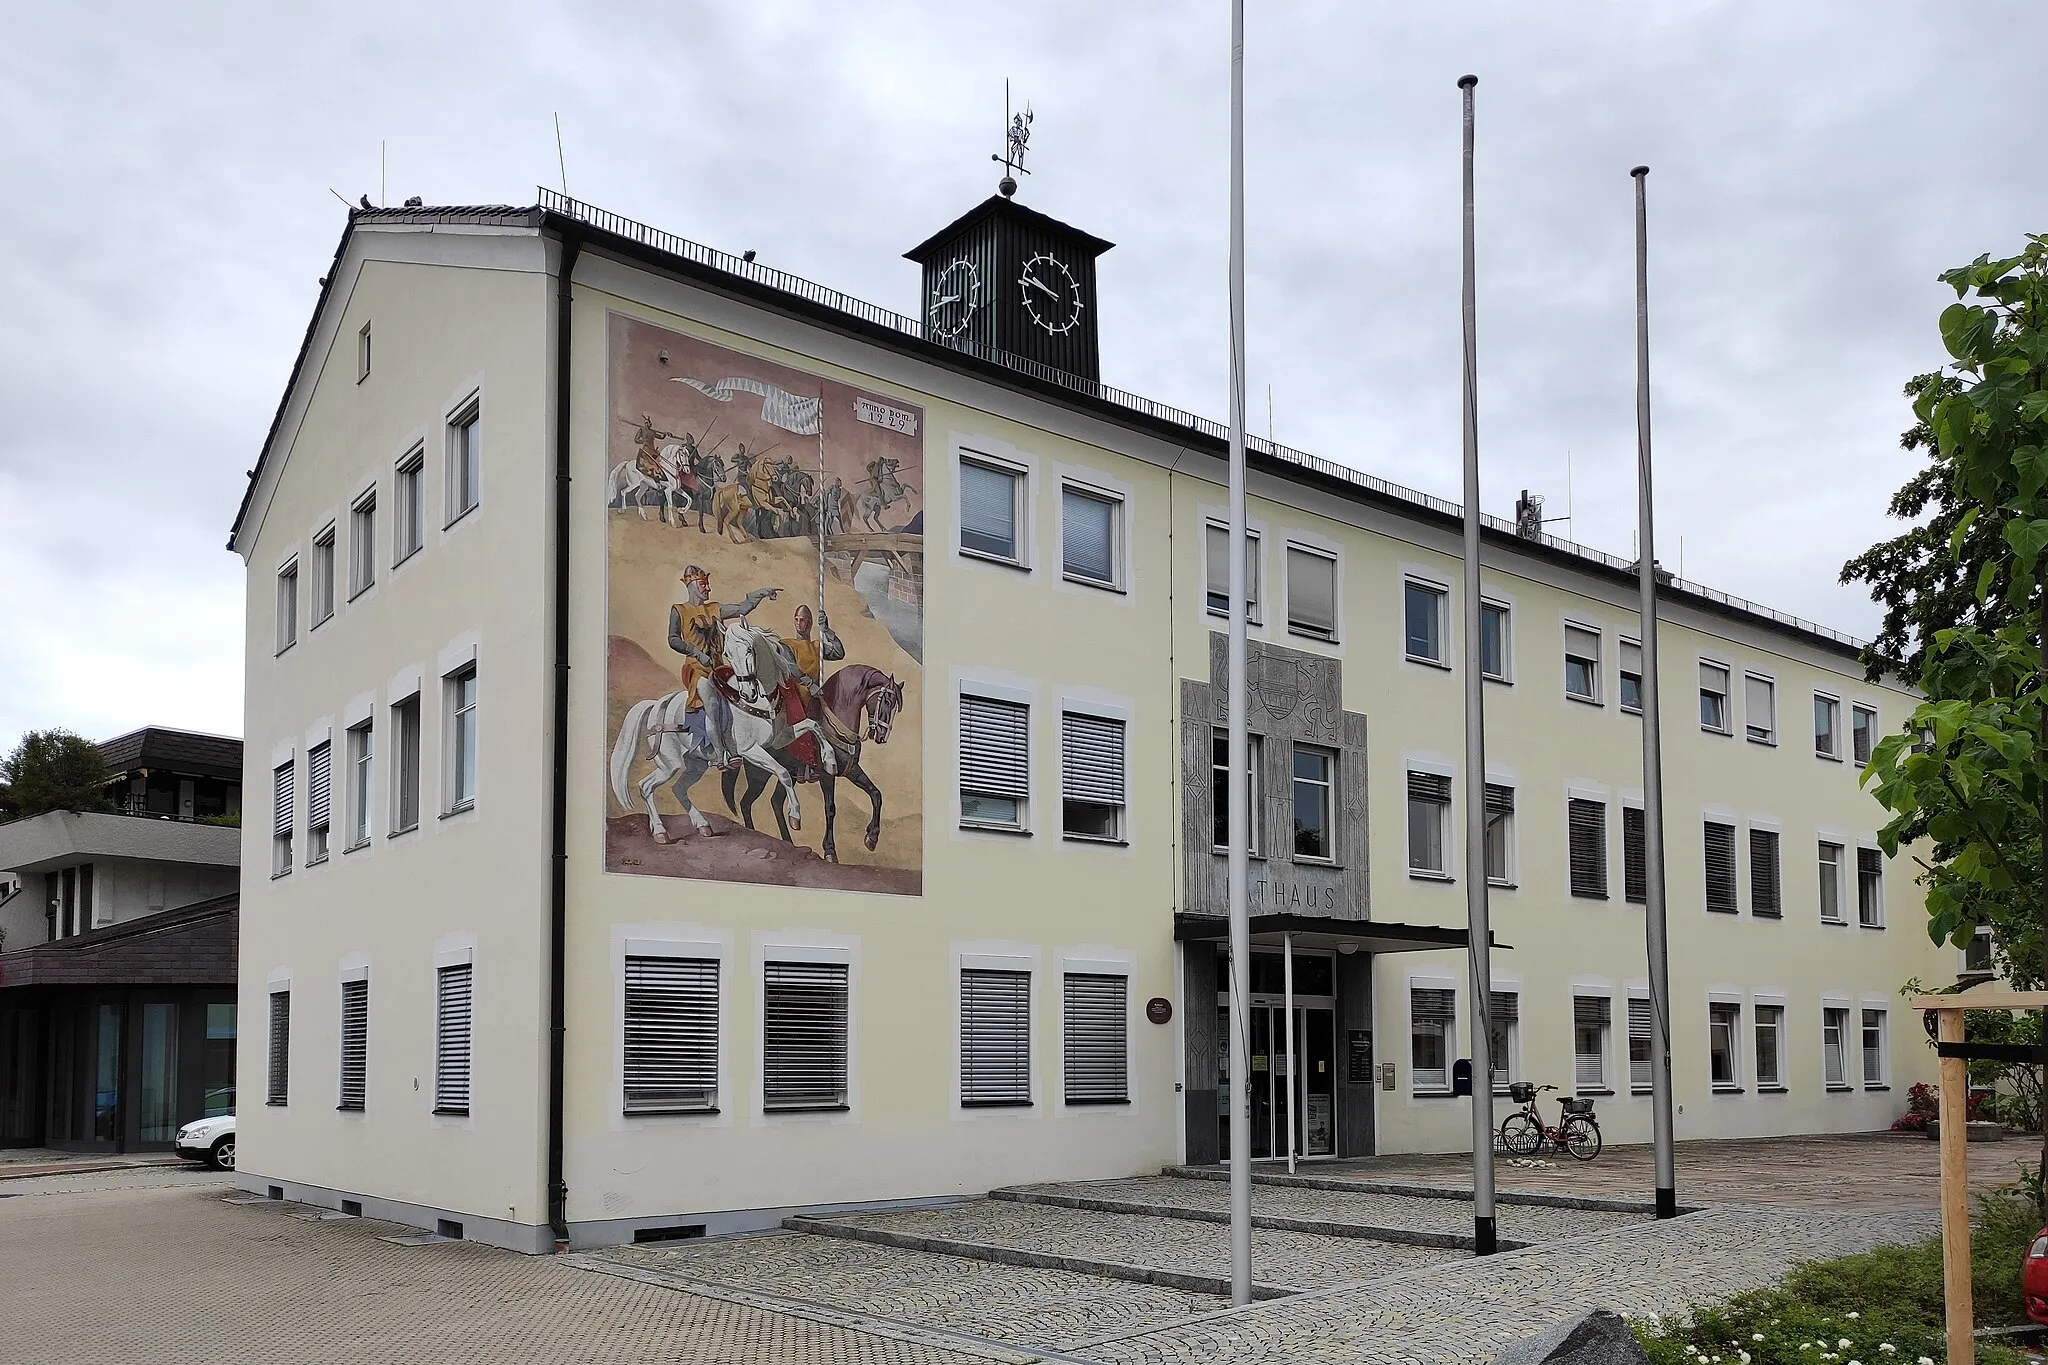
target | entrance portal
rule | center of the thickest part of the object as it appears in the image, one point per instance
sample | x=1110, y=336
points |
x=1315, y=1043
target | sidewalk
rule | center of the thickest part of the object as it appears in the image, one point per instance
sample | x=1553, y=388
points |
x=19, y=1163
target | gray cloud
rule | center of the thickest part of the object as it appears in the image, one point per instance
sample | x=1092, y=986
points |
x=168, y=212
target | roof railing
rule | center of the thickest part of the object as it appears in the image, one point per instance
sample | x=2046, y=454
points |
x=823, y=297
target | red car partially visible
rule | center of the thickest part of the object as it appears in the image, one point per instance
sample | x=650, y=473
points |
x=2034, y=1278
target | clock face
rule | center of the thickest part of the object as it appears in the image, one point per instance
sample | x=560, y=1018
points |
x=956, y=295
x=1052, y=296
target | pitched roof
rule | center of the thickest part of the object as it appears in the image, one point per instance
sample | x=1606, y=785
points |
x=193, y=945
x=184, y=751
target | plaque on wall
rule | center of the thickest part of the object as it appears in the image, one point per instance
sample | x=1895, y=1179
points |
x=1360, y=1049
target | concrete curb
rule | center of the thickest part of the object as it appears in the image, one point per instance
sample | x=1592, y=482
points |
x=1033, y=1260
x=1368, y=1232
x=27, y=1172
x=1590, y=1202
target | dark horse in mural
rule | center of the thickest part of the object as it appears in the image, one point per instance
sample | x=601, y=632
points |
x=848, y=693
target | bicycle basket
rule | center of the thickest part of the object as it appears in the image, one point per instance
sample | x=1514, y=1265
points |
x=1521, y=1092
x=1573, y=1105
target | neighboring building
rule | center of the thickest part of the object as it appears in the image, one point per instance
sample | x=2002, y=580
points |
x=117, y=952
x=522, y=571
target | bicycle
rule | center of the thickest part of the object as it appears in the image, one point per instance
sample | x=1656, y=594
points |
x=1523, y=1132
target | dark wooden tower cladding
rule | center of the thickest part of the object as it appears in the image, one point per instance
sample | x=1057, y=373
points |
x=998, y=239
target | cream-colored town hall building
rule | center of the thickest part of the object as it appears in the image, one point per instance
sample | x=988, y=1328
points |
x=582, y=559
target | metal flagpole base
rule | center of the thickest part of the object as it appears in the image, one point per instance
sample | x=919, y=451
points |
x=1667, y=1203
x=1485, y=1241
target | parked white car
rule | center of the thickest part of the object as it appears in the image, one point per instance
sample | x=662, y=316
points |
x=209, y=1140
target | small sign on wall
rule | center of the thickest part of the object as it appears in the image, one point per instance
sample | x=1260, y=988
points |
x=1358, y=1051
x=1386, y=1075
x=1159, y=1009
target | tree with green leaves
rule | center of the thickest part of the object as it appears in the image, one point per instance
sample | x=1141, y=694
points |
x=52, y=770
x=1969, y=773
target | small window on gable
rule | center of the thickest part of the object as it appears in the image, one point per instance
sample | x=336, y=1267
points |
x=1311, y=593
x=363, y=354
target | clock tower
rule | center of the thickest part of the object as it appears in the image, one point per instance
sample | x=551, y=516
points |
x=1007, y=278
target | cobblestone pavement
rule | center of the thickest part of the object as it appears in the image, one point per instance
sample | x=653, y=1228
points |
x=1297, y=1260
x=1023, y=1305
x=1356, y=1208
x=152, y=1266
x=1463, y=1312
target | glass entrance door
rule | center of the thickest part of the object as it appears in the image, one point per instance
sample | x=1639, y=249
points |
x=1315, y=1096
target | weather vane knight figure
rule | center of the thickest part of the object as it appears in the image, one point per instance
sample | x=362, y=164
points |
x=1016, y=141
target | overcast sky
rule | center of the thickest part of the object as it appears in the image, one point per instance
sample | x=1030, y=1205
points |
x=167, y=212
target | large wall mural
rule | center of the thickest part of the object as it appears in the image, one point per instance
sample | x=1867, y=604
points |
x=765, y=609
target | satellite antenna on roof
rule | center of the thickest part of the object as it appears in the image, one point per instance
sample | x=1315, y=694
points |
x=1016, y=141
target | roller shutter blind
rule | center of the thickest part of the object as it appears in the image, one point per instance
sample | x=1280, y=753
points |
x=1869, y=887
x=1590, y=1016
x=1087, y=536
x=1432, y=1006
x=282, y=783
x=995, y=1037
x=1635, y=861
x=355, y=1043
x=1587, y=835
x=1499, y=800
x=804, y=1035
x=988, y=510
x=452, y=991
x=1764, y=896
x=1092, y=759
x=1097, y=1039
x=1311, y=592
x=1429, y=787
x=671, y=1037
x=1720, y=844
x=1639, y=1068
x=277, y=1083
x=994, y=747
x=319, y=781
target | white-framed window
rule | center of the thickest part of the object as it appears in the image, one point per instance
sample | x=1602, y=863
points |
x=319, y=800
x=462, y=739
x=1766, y=896
x=1724, y=1029
x=1432, y=1014
x=465, y=473
x=1714, y=697
x=1827, y=726
x=363, y=354
x=1591, y=1019
x=1977, y=957
x=321, y=601
x=670, y=1060
x=1641, y=1061
x=804, y=1035
x=1091, y=536
x=362, y=544
x=1219, y=792
x=1831, y=883
x=1582, y=663
x=283, y=781
x=1091, y=776
x=1870, y=888
x=359, y=764
x=1586, y=839
x=453, y=998
x=1429, y=824
x=1423, y=609
x=1719, y=838
x=277, y=1080
x=1631, y=676
x=409, y=492
x=1770, y=1047
x=1496, y=641
x=1315, y=804
x=1095, y=1031
x=353, y=1072
x=1760, y=708
x=1216, y=551
x=1834, y=1043
x=405, y=786
x=288, y=606
x=1500, y=834
x=1874, y=1070
x=1504, y=1038
x=1311, y=592
x=995, y=1038
x=1635, y=860
x=995, y=762
x=992, y=510
x=1862, y=732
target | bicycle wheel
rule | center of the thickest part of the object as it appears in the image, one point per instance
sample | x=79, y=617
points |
x=1521, y=1134
x=1582, y=1137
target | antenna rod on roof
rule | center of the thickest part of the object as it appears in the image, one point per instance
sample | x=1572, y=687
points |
x=383, y=180
x=561, y=161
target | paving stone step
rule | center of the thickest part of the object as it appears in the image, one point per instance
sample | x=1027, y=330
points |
x=1019, y=1256
x=1422, y=1190
x=1325, y=1227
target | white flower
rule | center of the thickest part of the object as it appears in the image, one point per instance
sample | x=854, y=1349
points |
x=1756, y=1336
x=1843, y=1343
x=1926, y=1360
x=1853, y=1316
x=1886, y=1347
x=1743, y=1356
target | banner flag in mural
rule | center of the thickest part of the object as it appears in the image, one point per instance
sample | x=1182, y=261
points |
x=764, y=680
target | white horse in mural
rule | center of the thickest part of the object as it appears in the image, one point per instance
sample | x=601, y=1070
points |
x=627, y=480
x=760, y=664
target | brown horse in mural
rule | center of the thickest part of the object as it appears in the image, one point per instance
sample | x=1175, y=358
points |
x=849, y=692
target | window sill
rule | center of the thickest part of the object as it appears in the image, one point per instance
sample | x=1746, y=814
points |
x=284, y=650
x=1769, y=742
x=1251, y=614
x=1841, y=1089
x=315, y=862
x=1069, y=837
x=1723, y=910
x=1717, y=730
x=360, y=843
x=321, y=622
x=1321, y=637
x=1876, y=1088
x=1755, y=913
x=404, y=557
x=1636, y=900
x=665, y=1112
x=275, y=1104
x=1729, y=1090
x=450, y=1113
x=1004, y=561
x=995, y=1104
x=1878, y=927
x=354, y=593
x=1304, y=860
x=1497, y=678
x=1834, y=923
x=1255, y=855
x=459, y=516
x=1640, y=1090
x=1591, y=896
x=1590, y=1092
x=806, y=1108
x=279, y=876
x=1502, y=884
x=1772, y=1090
x=403, y=829
x=459, y=808
x=348, y=1108
x=981, y=828
x=1627, y=710
x=1100, y=585
x=1419, y=874
x=1444, y=1094
x=1829, y=758
x=1585, y=701
x=1096, y=1104
x=1427, y=663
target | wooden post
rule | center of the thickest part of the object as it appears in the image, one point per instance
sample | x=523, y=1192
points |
x=1955, y=1190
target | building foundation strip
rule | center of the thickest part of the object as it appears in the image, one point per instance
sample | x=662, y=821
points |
x=894, y=1329
x=1592, y=1202
x=1368, y=1232
x=1034, y=1260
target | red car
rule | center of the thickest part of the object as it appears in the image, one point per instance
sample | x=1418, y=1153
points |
x=2034, y=1277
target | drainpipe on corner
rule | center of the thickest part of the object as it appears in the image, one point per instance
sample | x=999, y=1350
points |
x=558, y=905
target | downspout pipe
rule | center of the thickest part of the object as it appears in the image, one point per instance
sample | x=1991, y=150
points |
x=558, y=877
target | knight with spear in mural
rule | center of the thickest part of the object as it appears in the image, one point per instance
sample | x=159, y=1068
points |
x=696, y=631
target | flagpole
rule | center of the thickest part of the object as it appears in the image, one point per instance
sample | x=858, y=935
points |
x=1653, y=753
x=1478, y=940
x=1238, y=745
